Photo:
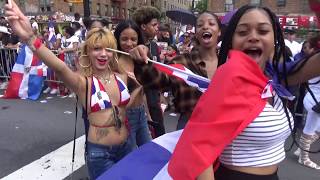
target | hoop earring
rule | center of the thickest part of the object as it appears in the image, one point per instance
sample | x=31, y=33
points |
x=84, y=66
x=116, y=59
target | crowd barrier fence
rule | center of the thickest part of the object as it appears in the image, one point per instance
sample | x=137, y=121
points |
x=8, y=58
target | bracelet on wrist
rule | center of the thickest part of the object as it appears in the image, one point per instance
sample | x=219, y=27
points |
x=34, y=43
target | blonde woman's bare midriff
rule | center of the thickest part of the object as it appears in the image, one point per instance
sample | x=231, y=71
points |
x=266, y=170
x=103, y=129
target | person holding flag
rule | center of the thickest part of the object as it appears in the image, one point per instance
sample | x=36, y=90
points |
x=101, y=88
x=128, y=36
x=202, y=61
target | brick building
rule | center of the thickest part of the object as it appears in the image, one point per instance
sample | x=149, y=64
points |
x=280, y=7
x=113, y=10
x=293, y=14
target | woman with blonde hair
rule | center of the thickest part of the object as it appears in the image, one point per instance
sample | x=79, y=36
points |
x=100, y=86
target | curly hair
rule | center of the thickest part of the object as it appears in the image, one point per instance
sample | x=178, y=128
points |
x=145, y=14
x=100, y=37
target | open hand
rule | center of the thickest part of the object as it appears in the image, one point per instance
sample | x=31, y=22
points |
x=19, y=23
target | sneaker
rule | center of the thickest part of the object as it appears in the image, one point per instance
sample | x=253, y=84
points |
x=309, y=163
x=47, y=90
x=3, y=85
x=297, y=152
x=54, y=91
x=72, y=95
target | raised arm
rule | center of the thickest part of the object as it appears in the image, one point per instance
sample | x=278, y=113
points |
x=21, y=26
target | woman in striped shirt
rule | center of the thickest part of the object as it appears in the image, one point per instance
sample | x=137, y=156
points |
x=243, y=116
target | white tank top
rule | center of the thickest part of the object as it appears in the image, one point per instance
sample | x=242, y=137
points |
x=262, y=142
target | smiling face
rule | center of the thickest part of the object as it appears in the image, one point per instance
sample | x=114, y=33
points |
x=208, y=30
x=254, y=35
x=98, y=39
x=128, y=39
x=100, y=57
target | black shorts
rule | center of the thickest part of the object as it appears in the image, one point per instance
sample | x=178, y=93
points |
x=224, y=173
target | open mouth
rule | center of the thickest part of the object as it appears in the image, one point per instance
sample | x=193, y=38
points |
x=206, y=36
x=102, y=61
x=254, y=53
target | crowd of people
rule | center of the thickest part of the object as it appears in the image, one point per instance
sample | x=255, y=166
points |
x=242, y=120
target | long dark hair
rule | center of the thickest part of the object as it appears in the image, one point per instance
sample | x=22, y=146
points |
x=124, y=25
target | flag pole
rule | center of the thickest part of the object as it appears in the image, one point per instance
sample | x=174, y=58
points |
x=165, y=65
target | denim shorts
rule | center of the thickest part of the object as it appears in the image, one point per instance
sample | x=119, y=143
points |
x=139, y=131
x=100, y=158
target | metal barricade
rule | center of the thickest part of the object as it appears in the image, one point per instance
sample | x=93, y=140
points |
x=51, y=77
x=8, y=57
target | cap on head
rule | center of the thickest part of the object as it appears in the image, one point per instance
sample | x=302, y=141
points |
x=289, y=31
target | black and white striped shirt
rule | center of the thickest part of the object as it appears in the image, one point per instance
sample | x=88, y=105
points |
x=262, y=142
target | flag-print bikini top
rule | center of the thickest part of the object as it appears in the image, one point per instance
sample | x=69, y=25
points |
x=99, y=97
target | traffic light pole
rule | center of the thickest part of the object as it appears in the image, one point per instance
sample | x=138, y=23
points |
x=86, y=8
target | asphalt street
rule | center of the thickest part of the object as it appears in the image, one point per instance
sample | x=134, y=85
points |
x=32, y=129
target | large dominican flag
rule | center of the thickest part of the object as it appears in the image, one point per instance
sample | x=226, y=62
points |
x=27, y=76
x=149, y=161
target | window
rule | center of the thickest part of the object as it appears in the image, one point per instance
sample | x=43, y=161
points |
x=165, y=4
x=123, y=13
x=70, y=7
x=228, y=6
x=281, y=3
x=112, y=11
x=255, y=2
x=106, y=12
x=99, y=9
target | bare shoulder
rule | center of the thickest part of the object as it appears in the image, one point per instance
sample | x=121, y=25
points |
x=122, y=76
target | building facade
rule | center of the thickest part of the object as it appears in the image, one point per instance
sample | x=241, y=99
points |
x=280, y=7
x=293, y=14
x=113, y=10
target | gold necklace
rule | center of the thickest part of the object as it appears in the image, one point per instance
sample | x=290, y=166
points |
x=106, y=79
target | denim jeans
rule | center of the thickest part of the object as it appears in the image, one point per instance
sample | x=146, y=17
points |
x=100, y=158
x=139, y=131
x=153, y=100
x=182, y=121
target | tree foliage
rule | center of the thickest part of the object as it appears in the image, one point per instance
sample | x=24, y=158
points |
x=201, y=6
